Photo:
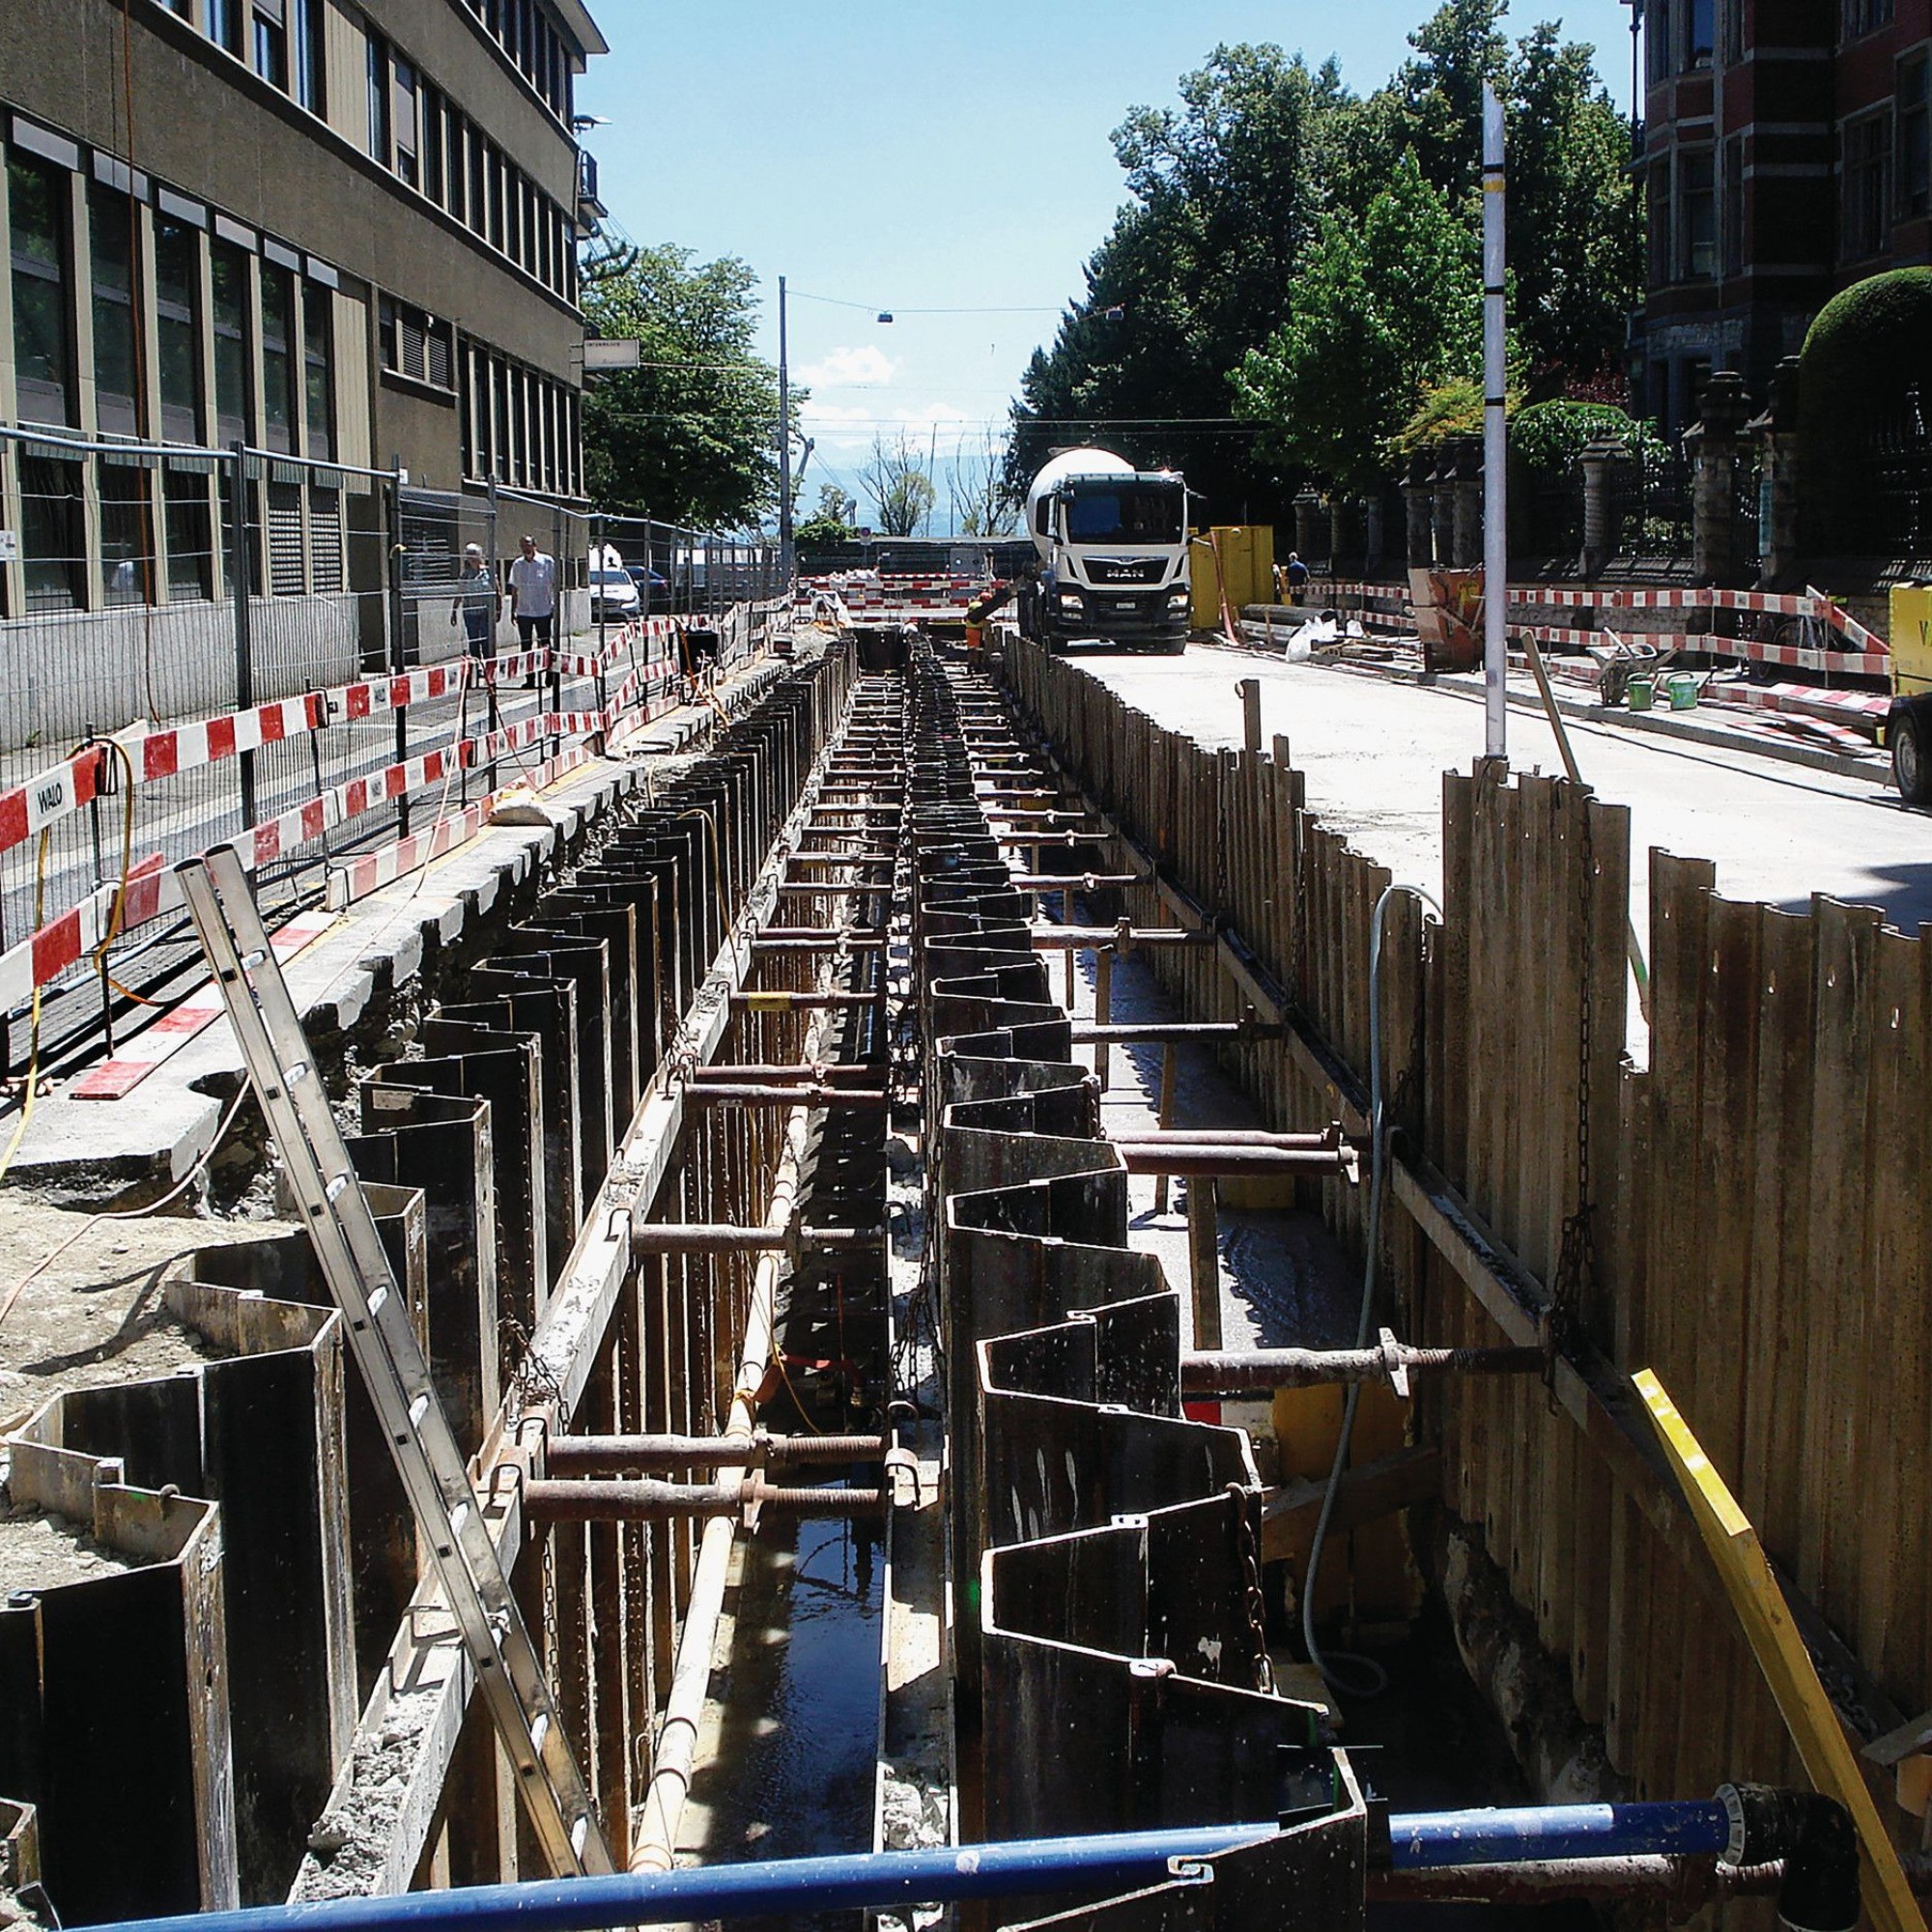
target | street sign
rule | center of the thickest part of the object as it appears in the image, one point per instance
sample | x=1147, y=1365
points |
x=614, y=352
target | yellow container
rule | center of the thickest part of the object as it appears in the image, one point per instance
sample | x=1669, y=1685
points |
x=1242, y=557
x=1910, y=639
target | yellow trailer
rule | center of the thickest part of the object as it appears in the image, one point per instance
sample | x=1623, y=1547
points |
x=1908, y=724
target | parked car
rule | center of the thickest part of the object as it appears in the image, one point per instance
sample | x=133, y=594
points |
x=613, y=597
x=651, y=585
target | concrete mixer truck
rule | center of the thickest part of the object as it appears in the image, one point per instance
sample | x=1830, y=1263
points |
x=1113, y=549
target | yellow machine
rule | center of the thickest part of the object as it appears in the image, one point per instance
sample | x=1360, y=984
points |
x=1908, y=726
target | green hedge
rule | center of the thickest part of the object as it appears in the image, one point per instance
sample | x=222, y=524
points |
x=1866, y=347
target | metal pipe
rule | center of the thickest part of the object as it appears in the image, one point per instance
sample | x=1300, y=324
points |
x=1086, y=882
x=1051, y=938
x=1682, y=1884
x=645, y=1499
x=1222, y=1373
x=1155, y=1032
x=1217, y=1163
x=720, y=1238
x=786, y=1094
x=1220, y=1137
x=1100, y=1865
x=815, y=1072
x=781, y=1002
x=614, y=1455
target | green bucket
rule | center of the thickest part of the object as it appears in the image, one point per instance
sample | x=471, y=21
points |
x=1638, y=692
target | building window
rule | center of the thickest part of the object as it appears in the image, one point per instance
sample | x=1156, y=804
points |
x=278, y=363
x=1867, y=186
x=52, y=539
x=1699, y=32
x=417, y=345
x=324, y=539
x=190, y=544
x=1731, y=33
x=305, y=46
x=37, y=198
x=178, y=328
x=271, y=43
x=223, y=20
x=478, y=182
x=1657, y=41
x=378, y=100
x=126, y=550
x=433, y=145
x=232, y=385
x=405, y=129
x=1866, y=16
x=1733, y=206
x=1697, y=215
x=110, y=220
x=456, y=163
x=1914, y=135
x=1658, y=181
x=318, y=370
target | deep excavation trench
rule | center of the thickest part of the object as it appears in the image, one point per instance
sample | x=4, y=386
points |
x=793, y=1723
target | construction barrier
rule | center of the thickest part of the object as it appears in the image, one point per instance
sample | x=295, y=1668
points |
x=641, y=657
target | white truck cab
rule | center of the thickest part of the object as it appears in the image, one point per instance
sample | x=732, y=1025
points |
x=1113, y=547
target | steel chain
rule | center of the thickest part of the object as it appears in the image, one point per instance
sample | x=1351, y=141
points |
x=1576, y=1263
x=1249, y=1558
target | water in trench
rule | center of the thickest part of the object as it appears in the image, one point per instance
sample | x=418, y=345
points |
x=790, y=1774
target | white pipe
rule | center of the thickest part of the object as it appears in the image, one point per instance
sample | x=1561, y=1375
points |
x=1495, y=441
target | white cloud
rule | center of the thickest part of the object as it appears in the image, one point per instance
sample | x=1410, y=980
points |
x=865, y=367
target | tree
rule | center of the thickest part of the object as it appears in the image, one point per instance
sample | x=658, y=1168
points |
x=832, y=523
x=898, y=486
x=689, y=436
x=1381, y=311
x=1225, y=192
x=983, y=506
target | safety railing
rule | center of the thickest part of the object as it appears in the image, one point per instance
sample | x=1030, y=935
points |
x=316, y=662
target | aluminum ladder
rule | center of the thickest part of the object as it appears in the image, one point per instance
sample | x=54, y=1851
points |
x=507, y=1668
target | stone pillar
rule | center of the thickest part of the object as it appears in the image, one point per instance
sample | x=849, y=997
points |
x=1342, y=558
x=1599, y=538
x=1371, y=533
x=1469, y=501
x=1776, y=432
x=1417, y=497
x=1443, y=505
x=1713, y=445
x=1306, y=504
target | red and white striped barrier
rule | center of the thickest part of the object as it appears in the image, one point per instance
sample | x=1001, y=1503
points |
x=167, y=1034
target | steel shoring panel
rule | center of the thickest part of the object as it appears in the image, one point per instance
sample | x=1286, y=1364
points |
x=697, y=873
x=1112, y=1667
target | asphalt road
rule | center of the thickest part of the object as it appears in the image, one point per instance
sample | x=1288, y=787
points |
x=1375, y=750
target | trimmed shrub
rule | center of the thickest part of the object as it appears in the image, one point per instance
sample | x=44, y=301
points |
x=1867, y=347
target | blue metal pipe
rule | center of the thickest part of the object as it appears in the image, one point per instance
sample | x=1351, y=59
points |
x=1113, y=1863
x=1552, y=1832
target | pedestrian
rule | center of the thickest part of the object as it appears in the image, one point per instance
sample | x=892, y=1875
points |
x=1296, y=574
x=476, y=600
x=533, y=598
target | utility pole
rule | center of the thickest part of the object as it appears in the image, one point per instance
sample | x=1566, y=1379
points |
x=784, y=447
x=1495, y=441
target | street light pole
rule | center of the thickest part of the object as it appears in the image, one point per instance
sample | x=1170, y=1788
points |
x=785, y=451
x=1495, y=439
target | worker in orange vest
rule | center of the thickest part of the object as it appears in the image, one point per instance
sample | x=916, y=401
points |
x=982, y=607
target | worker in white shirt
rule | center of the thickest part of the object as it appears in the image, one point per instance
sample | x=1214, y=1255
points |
x=533, y=597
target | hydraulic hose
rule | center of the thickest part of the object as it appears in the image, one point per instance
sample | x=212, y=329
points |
x=1376, y=1678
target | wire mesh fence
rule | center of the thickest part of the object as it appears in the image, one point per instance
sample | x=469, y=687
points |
x=156, y=598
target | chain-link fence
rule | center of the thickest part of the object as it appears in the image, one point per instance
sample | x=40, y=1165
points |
x=304, y=658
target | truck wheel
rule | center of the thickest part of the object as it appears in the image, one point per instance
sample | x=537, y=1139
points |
x=1908, y=732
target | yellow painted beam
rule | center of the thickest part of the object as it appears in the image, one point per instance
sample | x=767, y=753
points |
x=1781, y=1655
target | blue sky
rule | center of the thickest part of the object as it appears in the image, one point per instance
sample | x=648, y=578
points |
x=903, y=156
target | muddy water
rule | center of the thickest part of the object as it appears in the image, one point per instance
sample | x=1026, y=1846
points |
x=793, y=1773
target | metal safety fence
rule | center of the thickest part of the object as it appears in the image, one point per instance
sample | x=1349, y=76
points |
x=307, y=658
